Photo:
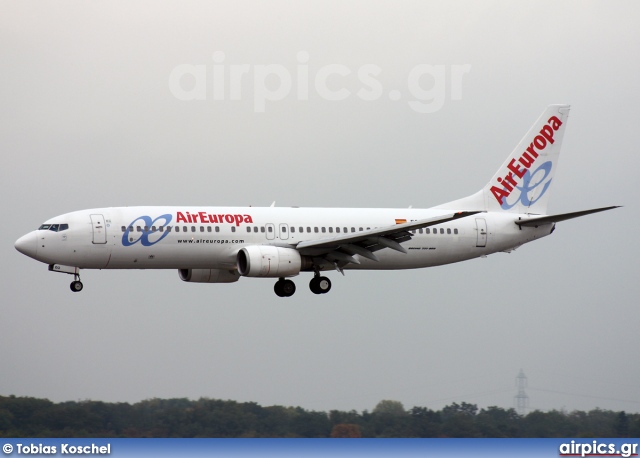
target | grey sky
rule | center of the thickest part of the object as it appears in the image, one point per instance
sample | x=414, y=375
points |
x=88, y=119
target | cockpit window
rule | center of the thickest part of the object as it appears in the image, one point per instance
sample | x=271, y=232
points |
x=54, y=227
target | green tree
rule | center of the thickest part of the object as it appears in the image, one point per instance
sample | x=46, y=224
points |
x=498, y=422
x=389, y=407
x=390, y=419
x=425, y=422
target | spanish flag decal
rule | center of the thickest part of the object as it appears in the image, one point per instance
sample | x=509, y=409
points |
x=400, y=221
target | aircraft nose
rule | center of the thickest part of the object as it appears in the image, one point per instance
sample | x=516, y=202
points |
x=27, y=244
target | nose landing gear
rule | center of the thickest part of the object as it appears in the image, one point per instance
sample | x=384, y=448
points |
x=76, y=285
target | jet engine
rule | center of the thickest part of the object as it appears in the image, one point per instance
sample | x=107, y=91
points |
x=208, y=275
x=269, y=261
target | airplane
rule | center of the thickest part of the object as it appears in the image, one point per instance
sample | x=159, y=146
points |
x=222, y=244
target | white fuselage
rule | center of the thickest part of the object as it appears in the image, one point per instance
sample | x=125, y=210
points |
x=210, y=237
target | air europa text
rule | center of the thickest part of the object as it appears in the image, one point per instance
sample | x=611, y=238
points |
x=204, y=218
x=526, y=160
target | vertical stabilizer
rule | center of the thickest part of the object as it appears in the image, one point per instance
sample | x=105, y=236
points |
x=521, y=184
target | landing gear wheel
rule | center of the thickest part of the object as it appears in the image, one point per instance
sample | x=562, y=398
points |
x=284, y=288
x=320, y=285
x=76, y=286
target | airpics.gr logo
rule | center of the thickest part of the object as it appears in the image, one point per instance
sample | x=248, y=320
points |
x=519, y=175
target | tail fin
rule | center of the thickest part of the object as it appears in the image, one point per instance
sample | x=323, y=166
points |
x=521, y=184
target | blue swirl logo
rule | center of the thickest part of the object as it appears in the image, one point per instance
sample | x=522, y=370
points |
x=527, y=186
x=147, y=237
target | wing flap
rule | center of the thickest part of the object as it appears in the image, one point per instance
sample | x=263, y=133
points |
x=365, y=243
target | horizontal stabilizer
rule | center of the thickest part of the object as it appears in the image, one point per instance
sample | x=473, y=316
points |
x=539, y=221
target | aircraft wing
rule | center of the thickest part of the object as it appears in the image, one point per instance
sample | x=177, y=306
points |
x=339, y=250
x=540, y=220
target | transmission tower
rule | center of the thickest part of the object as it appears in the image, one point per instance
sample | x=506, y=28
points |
x=521, y=399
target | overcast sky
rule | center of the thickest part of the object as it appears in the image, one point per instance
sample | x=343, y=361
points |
x=91, y=116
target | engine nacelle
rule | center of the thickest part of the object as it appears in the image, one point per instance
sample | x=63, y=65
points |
x=268, y=261
x=208, y=275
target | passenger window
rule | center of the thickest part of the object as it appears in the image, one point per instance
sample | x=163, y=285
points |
x=193, y=228
x=441, y=231
x=455, y=231
x=324, y=230
x=420, y=231
x=217, y=228
x=345, y=230
x=208, y=228
x=130, y=228
x=262, y=229
x=168, y=228
x=138, y=228
x=153, y=228
x=308, y=229
x=284, y=229
x=124, y=229
x=161, y=228
x=301, y=229
x=427, y=231
x=338, y=230
x=353, y=229
x=146, y=228
x=293, y=229
x=270, y=229
x=315, y=229
x=248, y=228
x=255, y=228
x=233, y=228
x=184, y=228
x=448, y=231
x=201, y=228
x=330, y=230
x=360, y=229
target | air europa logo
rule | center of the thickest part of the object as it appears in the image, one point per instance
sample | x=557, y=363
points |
x=147, y=237
x=208, y=218
x=519, y=172
x=142, y=229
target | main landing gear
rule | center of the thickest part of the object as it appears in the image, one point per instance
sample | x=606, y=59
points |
x=319, y=285
x=286, y=288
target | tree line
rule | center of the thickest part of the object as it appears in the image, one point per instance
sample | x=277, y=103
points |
x=32, y=417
